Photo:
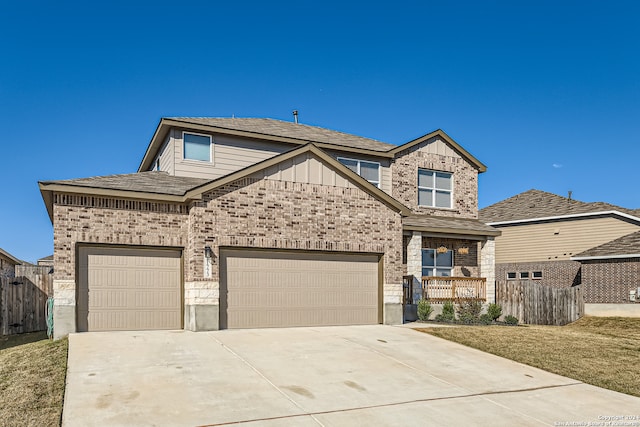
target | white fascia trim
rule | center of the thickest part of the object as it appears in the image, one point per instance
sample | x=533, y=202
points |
x=587, y=258
x=551, y=218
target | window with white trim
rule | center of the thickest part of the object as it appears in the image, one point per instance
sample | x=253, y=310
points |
x=368, y=170
x=436, y=263
x=511, y=275
x=196, y=147
x=524, y=274
x=536, y=274
x=435, y=189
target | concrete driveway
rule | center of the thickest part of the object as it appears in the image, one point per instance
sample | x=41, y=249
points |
x=330, y=376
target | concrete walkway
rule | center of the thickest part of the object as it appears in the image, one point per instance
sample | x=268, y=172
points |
x=331, y=376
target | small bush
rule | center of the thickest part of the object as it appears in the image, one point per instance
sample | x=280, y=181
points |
x=424, y=309
x=494, y=311
x=448, y=313
x=510, y=320
x=469, y=311
x=486, y=319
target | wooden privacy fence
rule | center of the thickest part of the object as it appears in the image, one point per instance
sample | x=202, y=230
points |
x=22, y=303
x=537, y=304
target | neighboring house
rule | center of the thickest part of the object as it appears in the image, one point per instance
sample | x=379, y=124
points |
x=8, y=264
x=46, y=261
x=563, y=242
x=237, y=223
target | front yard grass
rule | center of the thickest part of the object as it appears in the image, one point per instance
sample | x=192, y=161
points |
x=603, y=351
x=32, y=379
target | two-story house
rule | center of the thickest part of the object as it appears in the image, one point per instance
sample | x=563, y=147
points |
x=243, y=223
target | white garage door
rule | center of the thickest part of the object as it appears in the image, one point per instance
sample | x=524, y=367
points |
x=281, y=289
x=129, y=289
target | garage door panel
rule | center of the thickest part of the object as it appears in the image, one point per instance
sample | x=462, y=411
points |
x=271, y=289
x=129, y=289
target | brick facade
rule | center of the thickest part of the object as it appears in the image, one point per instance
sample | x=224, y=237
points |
x=263, y=213
x=609, y=281
x=250, y=212
x=405, y=179
x=87, y=219
x=558, y=274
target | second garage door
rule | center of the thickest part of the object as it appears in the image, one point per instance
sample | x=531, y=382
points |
x=126, y=288
x=281, y=289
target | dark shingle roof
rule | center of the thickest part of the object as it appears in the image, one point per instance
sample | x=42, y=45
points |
x=304, y=133
x=147, y=182
x=540, y=204
x=447, y=224
x=625, y=245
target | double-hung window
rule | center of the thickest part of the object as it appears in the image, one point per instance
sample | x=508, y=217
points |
x=436, y=263
x=434, y=188
x=197, y=147
x=368, y=170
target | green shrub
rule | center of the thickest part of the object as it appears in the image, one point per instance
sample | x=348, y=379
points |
x=448, y=313
x=469, y=311
x=510, y=320
x=486, y=319
x=494, y=311
x=424, y=309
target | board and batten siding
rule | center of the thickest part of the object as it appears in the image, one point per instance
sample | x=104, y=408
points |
x=230, y=154
x=558, y=240
x=307, y=169
x=441, y=148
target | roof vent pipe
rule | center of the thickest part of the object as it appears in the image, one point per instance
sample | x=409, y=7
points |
x=295, y=116
x=570, y=192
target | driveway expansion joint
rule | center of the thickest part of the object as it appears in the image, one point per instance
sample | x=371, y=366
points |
x=386, y=405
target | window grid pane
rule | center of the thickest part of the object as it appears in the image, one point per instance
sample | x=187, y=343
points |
x=351, y=164
x=443, y=181
x=428, y=257
x=444, y=259
x=425, y=178
x=369, y=171
x=425, y=197
x=443, y=199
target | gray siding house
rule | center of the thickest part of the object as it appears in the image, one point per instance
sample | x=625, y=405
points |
x=247, y=223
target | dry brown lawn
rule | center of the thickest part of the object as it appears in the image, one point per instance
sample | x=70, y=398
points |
x=32, y=378
x=603, y=351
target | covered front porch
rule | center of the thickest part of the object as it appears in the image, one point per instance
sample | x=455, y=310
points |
x=447, y=259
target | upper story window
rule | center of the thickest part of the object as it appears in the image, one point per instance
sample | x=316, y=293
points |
x=368, y=170
x=437, y=263
x=435, y=188
x=197, y=147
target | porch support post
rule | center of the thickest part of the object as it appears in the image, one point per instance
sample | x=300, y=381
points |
x=488, y=267
x=414, y=261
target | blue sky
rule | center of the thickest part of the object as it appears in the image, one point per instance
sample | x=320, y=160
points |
x=545, y=93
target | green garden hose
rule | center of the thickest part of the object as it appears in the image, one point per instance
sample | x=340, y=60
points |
x=48, y=312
